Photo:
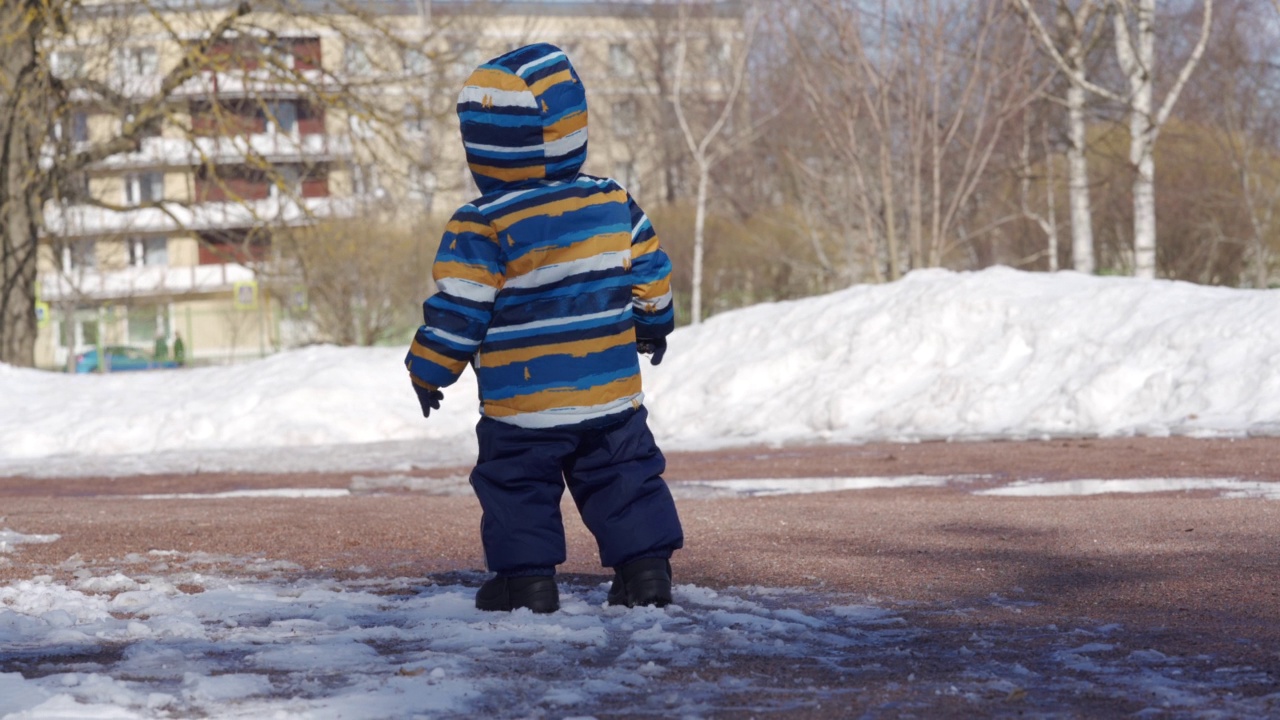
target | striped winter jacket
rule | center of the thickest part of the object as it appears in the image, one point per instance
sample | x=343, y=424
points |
x=545, y=281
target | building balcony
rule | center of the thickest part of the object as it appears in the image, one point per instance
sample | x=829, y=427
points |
x=141, y=282
x=91, y=221
x=273, y=147
x=258, y=84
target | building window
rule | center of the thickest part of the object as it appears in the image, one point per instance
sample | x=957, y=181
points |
x=365, y=181
x=88, y=329
x=283, y=117
x=279, y=54
x=624, y=118
x=67, y=63
x=140, y=188
x=79, y=255
x=286, y=181
x=355, y=59
x=148, y=251
x=147, y=325
x=74, y=127
x=80, y=126
x=620, y=60
x=147, y=132
x=136, y=62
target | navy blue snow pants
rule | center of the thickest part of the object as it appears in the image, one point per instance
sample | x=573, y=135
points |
x=614, y=474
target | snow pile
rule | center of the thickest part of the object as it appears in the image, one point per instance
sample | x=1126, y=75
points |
x=994, y=354
x=991, y=354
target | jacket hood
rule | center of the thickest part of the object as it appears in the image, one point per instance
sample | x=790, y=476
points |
x=524, y=117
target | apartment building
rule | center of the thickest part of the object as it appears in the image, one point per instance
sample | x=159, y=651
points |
x=307, y=116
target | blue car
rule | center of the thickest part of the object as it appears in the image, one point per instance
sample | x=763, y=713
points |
x=120, y=359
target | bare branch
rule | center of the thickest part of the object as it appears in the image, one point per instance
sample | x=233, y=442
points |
x=1045, y=40
x=1189, y=66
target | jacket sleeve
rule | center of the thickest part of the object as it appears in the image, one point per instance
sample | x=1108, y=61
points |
x=651, y=279
x=468, y=272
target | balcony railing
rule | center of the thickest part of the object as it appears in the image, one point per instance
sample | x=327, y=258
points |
x=92, y=221
x=253, y=83
x=272, y=147
x=141, y=282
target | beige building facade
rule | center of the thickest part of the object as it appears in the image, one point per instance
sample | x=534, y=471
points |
x=295, y=119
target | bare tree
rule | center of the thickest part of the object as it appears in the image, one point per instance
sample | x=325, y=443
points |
x=1076, y=33
x=1239, y=102
x=361, y=279
x=1047, y=221
x=1134, y=39
x=715, y=140
x=1135, y=44
x=912, y=101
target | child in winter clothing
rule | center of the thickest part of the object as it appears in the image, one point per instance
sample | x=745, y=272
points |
x=549, y=284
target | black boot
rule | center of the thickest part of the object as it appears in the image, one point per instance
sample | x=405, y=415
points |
x=538, y=593
x=646, y=581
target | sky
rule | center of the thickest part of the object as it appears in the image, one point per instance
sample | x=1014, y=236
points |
x=937, y=355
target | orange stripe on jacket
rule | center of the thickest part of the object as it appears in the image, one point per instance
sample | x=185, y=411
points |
x=425, y=353
x=463, y=271
x=497, y=80
x=552, y=399
x=540, y=86
x=564, y=127
x=591, y=247
x=559, y=207
x=529, y=172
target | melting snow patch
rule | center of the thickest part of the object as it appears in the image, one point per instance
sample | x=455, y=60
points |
x=115, y=646
x=797, y=486
x=264, y=493
x=9, y=539
x=1228, y=487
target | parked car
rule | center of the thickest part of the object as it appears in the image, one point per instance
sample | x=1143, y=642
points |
x=121, y=359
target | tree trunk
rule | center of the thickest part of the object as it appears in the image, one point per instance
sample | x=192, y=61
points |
x=1144, y=207
x=23, y=128
x=699, y=244
x=1136, y=54
x=1078, y=183
x=892, y=245
x=1142, y=131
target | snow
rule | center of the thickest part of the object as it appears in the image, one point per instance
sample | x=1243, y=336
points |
x=991, y=354
x=1227, y=487
x=137, y=646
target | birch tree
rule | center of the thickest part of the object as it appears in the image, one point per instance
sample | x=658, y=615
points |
x=1134, y=42
x=1075, y=32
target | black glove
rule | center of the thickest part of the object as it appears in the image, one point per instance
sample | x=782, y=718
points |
x=657, y=347
x=428, y=399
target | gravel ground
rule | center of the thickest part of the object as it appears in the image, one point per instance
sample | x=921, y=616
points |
x=1012, y=580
